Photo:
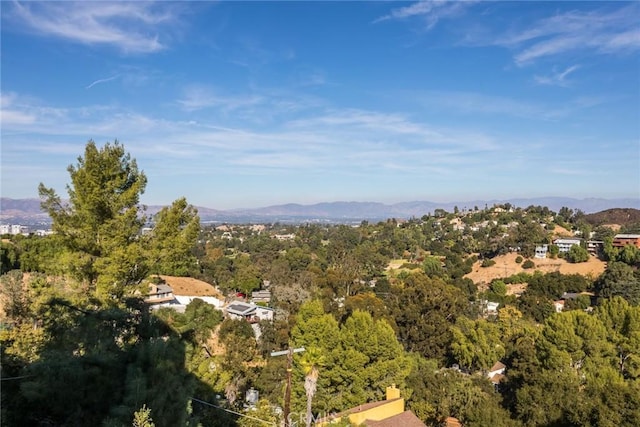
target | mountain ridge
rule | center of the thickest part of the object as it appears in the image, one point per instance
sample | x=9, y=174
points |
x=28, y=210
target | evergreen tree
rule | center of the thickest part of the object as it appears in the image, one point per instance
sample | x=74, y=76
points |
x=101, y=222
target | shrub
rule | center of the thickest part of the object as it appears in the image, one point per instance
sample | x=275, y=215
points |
x=518, y=259
x=577, y=254
x=487, y=262
x=528, y=264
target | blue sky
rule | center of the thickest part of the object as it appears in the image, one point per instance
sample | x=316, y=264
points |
x=236, y=104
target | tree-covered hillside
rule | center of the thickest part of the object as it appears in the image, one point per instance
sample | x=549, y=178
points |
x=372, y=305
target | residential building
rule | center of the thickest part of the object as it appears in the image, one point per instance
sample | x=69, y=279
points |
x=594, y=247
x=565, y=244
x=498, y=368
x=159, y=294
x=541, y=251
x=250, y=312
x=386, y=413
x=14, y=229
x=621, y=240
x=261, y=296
x=283, y=237
x=496, y=373
x=489, y=307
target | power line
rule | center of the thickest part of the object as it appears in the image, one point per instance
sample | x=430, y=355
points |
x=15, y=378
x=234, y=412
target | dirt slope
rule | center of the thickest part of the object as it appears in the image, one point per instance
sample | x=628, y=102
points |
x=507, y=266
x=191, y=287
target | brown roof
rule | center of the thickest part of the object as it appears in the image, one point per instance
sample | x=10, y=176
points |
x=405, y=419
x=497, y=366
x=497, y=378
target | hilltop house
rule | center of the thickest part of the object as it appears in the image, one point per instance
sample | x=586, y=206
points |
x=565, y=244
x=250, y=312
x=621, y=240
x=541, y=251
x=159, y=294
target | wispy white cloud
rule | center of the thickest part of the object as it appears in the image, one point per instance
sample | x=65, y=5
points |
x=197, y=97
x=357, y=141
x=100, y=81
x=603, y=32
x=133, y=27
x=557, y=78
x=473, y=102
x=431, y=11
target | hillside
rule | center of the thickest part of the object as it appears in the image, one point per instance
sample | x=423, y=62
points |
x=620, y=216
x=506, y=266
x=192, y=287
x=27, y=211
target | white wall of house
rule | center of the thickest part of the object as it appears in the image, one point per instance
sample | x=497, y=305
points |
x=185, y=300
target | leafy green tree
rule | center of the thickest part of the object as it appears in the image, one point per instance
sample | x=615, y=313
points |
x=14, y=297
x=476, y=345
x=629, y=255
x=9, y=257
x=93, y=354
x=577, y=254
x=527, y=235
x=424, y=309
x=622, y=322
x=263, y=415
x=175, y=231
x=100, y=223
x=499, y=288
x=360, y=359
x=619, y=279
x=440, y=393
x=432, y=266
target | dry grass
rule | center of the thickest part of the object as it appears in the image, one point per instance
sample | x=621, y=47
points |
x=191, y=287
x=506, y=266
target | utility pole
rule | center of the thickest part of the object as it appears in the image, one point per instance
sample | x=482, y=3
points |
x=287, y=390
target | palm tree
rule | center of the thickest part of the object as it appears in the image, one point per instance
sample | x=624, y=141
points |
x=311, y=361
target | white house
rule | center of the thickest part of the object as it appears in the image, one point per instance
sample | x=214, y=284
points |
x=565, y=244
x=497, y=368
x=541, y=251
x=490, y=307
x=250, y=312
x=159, y=294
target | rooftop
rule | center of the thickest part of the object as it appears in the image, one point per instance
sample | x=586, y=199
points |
x=405, y=419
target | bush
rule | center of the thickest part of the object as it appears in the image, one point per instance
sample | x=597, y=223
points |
x=499, y=288
x=487, y=262
x=518, y=259
x=528, y=264
x=577, y=254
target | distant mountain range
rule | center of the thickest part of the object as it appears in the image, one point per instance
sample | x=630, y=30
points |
x=27, y=211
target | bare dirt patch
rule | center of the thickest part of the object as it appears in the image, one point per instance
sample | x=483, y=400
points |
x=561, y=232
x=506, y=266
x=191, y=287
